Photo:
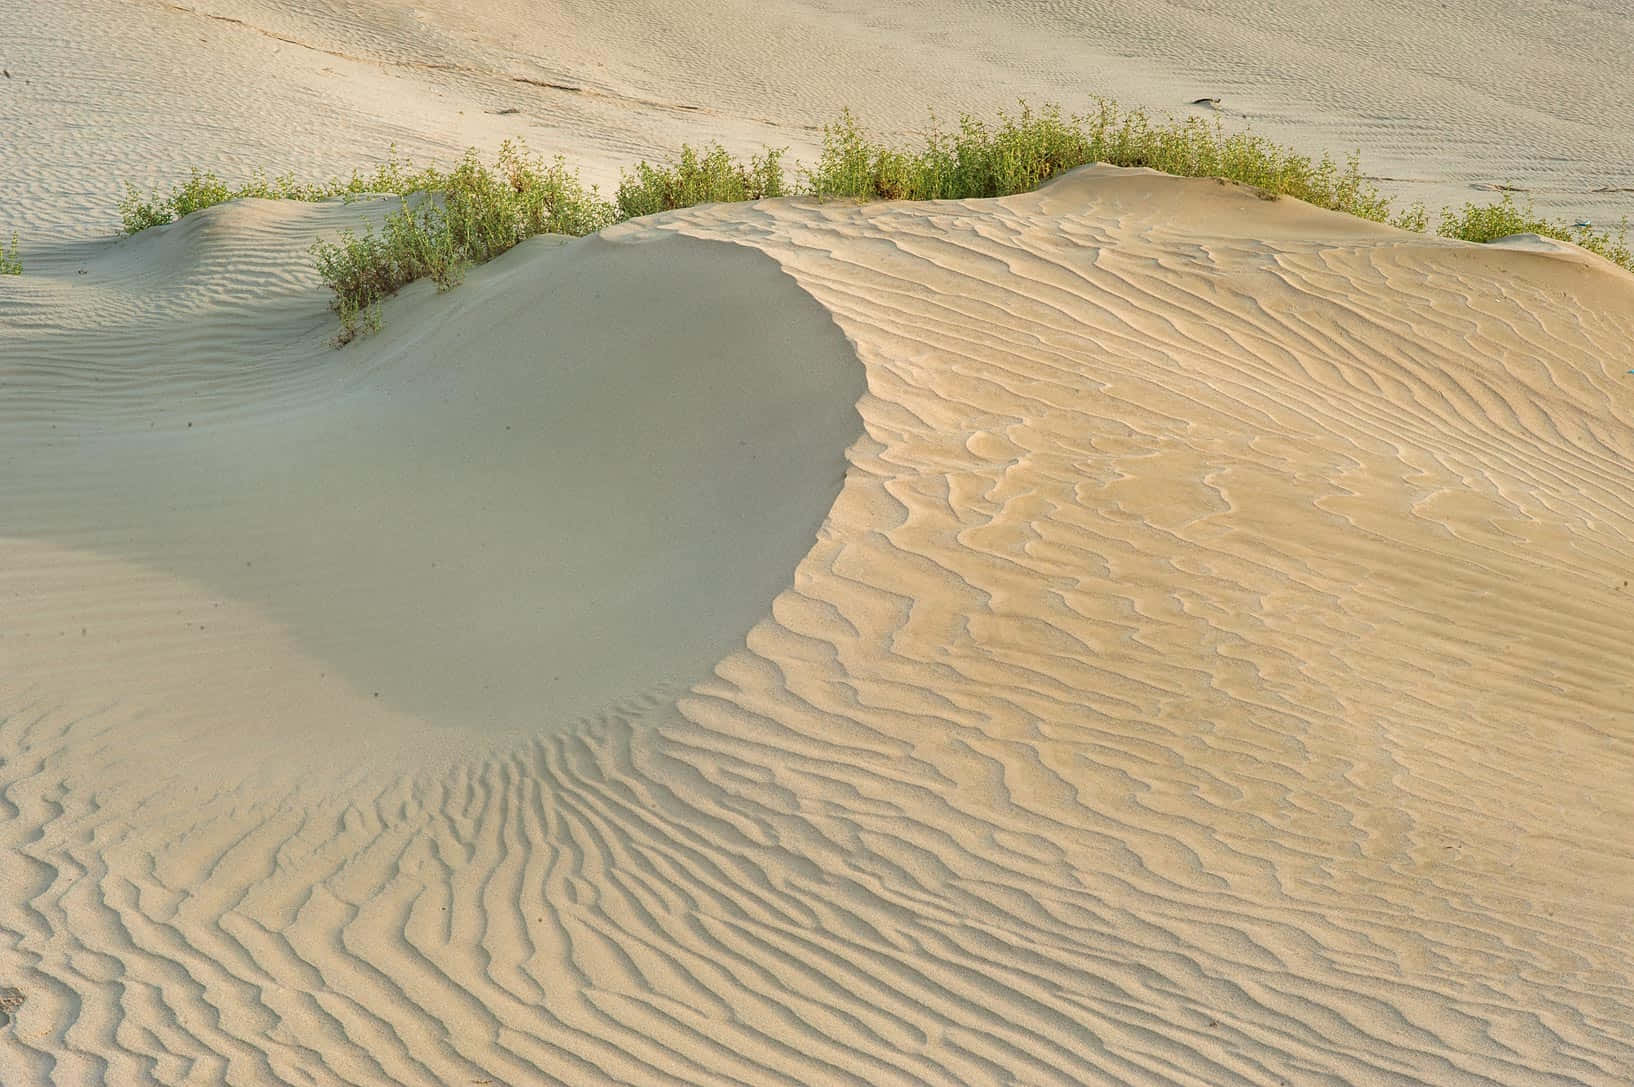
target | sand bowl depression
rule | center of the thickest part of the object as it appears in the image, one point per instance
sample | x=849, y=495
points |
x=582, y=478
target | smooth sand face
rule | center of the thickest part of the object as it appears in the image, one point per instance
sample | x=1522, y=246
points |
x=1212, y=667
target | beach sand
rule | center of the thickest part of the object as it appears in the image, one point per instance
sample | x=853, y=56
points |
x=1132, y=632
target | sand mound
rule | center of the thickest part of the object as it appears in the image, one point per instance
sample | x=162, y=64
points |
x=1212, y=669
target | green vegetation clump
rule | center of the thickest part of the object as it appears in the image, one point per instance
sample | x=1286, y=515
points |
x=476, y=213
x=1021, y=152
x=708, y=178
x=1489, y=222
x=203, y=189
x=11, y=263
x=446, y=222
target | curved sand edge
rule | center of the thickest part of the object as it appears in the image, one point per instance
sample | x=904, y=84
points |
x=584, y=474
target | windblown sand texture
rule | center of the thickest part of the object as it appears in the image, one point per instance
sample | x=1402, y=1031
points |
x=1134, y=632
x=1446, y=100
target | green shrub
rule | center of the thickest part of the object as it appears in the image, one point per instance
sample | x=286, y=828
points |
x=708, y=178
x=1413, y=218
x=1023, y=151
x=475, y=212
x=479, y=212
x=138, y=214
x=11, y=263
x=204, y=189
x=1489, y=222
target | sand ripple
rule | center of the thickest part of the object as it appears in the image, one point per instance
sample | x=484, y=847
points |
x=1213, y=670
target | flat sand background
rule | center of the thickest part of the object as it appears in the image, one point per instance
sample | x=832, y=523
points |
x=1445, y=101
x=1133, y=632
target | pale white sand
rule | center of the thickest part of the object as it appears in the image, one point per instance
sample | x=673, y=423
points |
x=1130, y=633
x=1445, y=101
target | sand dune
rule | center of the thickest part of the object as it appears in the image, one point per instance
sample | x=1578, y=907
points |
x=1212, y=670
x=1133, y=632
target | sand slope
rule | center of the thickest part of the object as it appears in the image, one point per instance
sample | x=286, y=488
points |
x=1212, y=669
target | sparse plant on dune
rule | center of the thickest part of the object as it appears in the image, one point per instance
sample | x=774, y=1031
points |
x=11, y=262
x=1022, y=151
x=707, y=177
x=138, y=214
x=1414, y=217
x=204, y=189
x=1489, y=222
x=477, y=211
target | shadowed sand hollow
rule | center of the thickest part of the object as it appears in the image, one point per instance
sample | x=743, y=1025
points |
x=584, y=476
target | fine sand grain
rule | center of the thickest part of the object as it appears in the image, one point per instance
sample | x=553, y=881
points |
x=1133, y=632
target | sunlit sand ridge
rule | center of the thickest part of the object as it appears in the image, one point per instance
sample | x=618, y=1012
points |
x=1132, y=632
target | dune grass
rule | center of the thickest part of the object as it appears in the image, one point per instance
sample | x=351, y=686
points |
x=1489, y=222
x=710, y=177
x=203, y=189
x=11, y=263
x=469, y=215
x=447, y=221
x=1022, y=151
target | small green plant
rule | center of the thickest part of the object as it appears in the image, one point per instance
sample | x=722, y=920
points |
x=11, y=263
x=1489, y=222
x=446, y=222
x=711, y=177
x=203, y=189
x=479, y=213
x=1024, y=150
x=200, y=190
x=1413, y=218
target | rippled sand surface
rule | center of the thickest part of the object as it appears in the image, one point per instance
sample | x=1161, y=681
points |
x=1447, y=102
x=1133, y=632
